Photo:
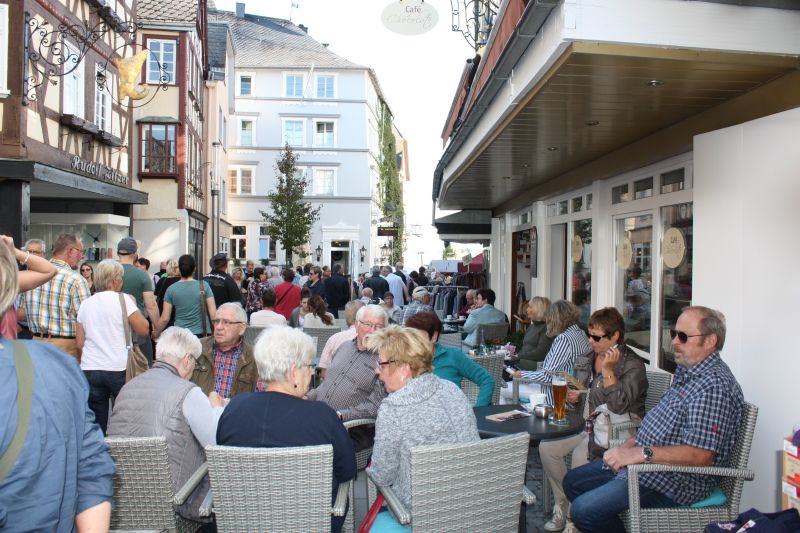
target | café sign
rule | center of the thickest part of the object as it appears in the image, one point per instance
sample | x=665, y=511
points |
x=409, y=17
x=98, y=170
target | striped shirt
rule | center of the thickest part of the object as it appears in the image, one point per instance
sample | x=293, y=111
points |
x=566, y=348
x=52, y=308
x=702, y=409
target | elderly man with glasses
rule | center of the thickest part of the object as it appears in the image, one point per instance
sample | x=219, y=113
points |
x=227, y=365
x=52, y=308
x=694, y=424
x=351, y=387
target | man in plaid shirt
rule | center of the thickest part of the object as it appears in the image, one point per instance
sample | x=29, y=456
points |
x=694, y=424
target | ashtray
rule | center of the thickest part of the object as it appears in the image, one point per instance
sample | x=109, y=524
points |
x=542, y=410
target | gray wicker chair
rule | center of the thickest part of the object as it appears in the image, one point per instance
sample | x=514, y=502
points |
x=143, y=495
x=459, y=487
x=251, y=333
x=731, y=483
x=322, y=335
x=452, y=340
x=494, y=365
x=658, y=383
x=362, y=459
x=274, y=489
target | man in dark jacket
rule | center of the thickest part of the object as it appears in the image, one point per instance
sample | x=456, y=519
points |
x=376, y=282
x=337, y=290
x=221, y=283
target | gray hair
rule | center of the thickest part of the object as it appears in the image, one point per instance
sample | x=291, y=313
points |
x=40, y=242
x=274, y=271
x=399, y=265
x=373, y=310
x=420, y=296
x=278, y=348
x=241, y=316
x=376, y=270
x=9, y=273
x=172, y=268
x=385, y=269
x=174, y=343
x=366, y=291
x=712, y=322
x=105, y=273
x=350, y=310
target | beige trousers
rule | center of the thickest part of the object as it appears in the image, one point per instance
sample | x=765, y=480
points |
x=67, y=345
x=553, y=452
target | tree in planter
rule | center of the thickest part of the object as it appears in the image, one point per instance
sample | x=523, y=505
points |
x=390, y=192
x=290, y=218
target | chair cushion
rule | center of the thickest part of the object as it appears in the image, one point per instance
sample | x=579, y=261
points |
x=717, y=497
x=386, y=523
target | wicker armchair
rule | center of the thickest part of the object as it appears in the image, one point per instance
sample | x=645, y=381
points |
x=274, y=489
x=459, y=487
x=494, y=365
x=143, y=495
x=322, y=335
x=691, y=518
x=452, y=340
x=658, y=384
x=362, y=460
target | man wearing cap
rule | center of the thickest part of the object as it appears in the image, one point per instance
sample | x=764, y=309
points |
x=222, y=284
x=52, y=308
x=138, y=284
x=420, y=302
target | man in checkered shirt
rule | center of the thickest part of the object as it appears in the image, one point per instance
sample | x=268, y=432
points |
x=694, y=424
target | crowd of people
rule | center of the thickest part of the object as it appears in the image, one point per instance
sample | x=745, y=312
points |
x=208, y=385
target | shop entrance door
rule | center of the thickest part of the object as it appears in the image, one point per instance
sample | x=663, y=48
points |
x=340, y=253
x=557, y=255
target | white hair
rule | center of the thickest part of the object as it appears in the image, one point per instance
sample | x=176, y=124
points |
x=278, y=348
x=373, y=310
x=241, y=316
x=174, y=343
x=106, y=272
x=8, y=277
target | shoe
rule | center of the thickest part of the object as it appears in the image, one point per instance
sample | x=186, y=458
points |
x=558, y=521
x=570, y=528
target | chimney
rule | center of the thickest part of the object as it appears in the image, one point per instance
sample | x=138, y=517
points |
x=239, y=10
x=303, y=27
x=325, y=45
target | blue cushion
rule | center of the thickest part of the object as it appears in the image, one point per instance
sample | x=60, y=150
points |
x=717, y=497
x=386, y=523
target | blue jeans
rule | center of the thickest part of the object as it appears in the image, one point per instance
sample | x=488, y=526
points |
x=598, y=498
x=103, y=386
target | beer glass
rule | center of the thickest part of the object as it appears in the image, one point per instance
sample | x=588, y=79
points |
x=560, y=398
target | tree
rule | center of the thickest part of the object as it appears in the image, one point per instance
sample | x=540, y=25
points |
x=448, y=252
x=290, y=219
x=390, y=192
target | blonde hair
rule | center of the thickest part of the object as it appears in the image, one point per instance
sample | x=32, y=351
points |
x=106, y=272
x=404, y=345
x=8, y=277
x=559, y=316
x=539, y=305
x=172, y=268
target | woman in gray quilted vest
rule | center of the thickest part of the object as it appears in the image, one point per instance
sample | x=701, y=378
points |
x=421, y=409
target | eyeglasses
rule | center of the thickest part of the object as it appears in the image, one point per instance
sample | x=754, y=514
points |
x=79, y=250
x=224, y=323
x=683, y=338
x=381, y=364
x=86, y=270
x=598, y=338
x=371, y=325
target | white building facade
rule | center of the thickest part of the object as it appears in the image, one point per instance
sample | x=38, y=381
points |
x=291, y=89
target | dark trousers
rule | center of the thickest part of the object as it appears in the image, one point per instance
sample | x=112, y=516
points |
x=104, y=386
x=335, y=311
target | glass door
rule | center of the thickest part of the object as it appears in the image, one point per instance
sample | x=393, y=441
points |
x=580, y=251
x=676, y=276
x=633, y=287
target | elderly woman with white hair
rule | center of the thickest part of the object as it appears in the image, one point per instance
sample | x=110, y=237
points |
x=102, y=321
x=278, y=416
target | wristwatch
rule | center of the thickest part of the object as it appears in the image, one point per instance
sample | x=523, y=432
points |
x=647, y=451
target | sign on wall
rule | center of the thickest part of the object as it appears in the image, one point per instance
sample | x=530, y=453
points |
x=409, y=17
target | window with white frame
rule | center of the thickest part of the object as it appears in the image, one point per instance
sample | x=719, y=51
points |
x=241, y=180
x=266, y=246
x=324, y=182
x=245, y=84
x=238, y=242
x=326, y=84
x=72, y=103
x=324, y=133
x=102, y=101
x=162, y=56
x=247, y=135
x=4, y=50
x=293, y=85
x=294, y=132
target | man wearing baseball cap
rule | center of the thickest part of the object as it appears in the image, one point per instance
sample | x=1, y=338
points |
x=222, y=285
x=138, y=284
x=420, y=303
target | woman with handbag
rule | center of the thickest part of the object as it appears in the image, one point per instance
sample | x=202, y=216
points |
x=616, y=380
x=192, y=300
x=103, y=321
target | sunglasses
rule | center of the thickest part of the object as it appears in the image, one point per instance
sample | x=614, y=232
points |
x=598, y=338
x=682, y=337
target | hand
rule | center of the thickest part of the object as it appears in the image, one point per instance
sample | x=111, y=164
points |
x=573, y=396
x=516, y=374
x=611, y=358
x=216, y=400
x=620, y=457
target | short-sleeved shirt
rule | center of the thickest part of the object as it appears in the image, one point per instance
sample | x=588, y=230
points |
x=103, y=324
x=136, y=282
x=184, y=296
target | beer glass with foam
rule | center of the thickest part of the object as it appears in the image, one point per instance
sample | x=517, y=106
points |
x=560, y=398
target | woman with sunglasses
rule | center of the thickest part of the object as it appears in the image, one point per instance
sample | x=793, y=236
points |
x=615, y=376
x=88, y=275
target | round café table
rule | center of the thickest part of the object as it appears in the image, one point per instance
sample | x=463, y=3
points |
x=537, y=428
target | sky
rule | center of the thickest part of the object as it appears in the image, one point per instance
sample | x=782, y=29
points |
x=418, y=75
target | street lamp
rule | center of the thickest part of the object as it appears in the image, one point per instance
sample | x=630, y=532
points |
x=363, y=252
x=319, y=252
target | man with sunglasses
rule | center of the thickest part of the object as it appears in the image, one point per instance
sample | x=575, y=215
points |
x=351, y=386
x=694, y=424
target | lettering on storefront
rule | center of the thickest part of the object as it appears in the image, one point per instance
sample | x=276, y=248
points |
x=409, y=17
x=624, y=253
x=673, y=248
x=98, y=170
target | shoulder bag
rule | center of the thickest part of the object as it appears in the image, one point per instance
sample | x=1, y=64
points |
x=203, y=310
x=24, y=367
x=137, y=362
x=605, y=420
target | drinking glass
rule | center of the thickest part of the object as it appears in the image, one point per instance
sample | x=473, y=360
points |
x=560, y=398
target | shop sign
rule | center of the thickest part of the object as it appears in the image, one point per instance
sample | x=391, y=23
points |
x=624, y=253
x=409, y=17
x=466, y=260
x=673, y=248
x=98, y=170
x=576, y=248
x=388, y=231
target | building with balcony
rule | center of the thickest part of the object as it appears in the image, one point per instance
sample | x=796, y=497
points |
x=65, y=131
x=292, y=89
x=642, y=155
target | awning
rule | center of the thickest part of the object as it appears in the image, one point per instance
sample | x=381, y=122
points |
x=469, y=226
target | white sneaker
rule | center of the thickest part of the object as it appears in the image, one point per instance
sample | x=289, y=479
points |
x=557, y=522
x=570, y=528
